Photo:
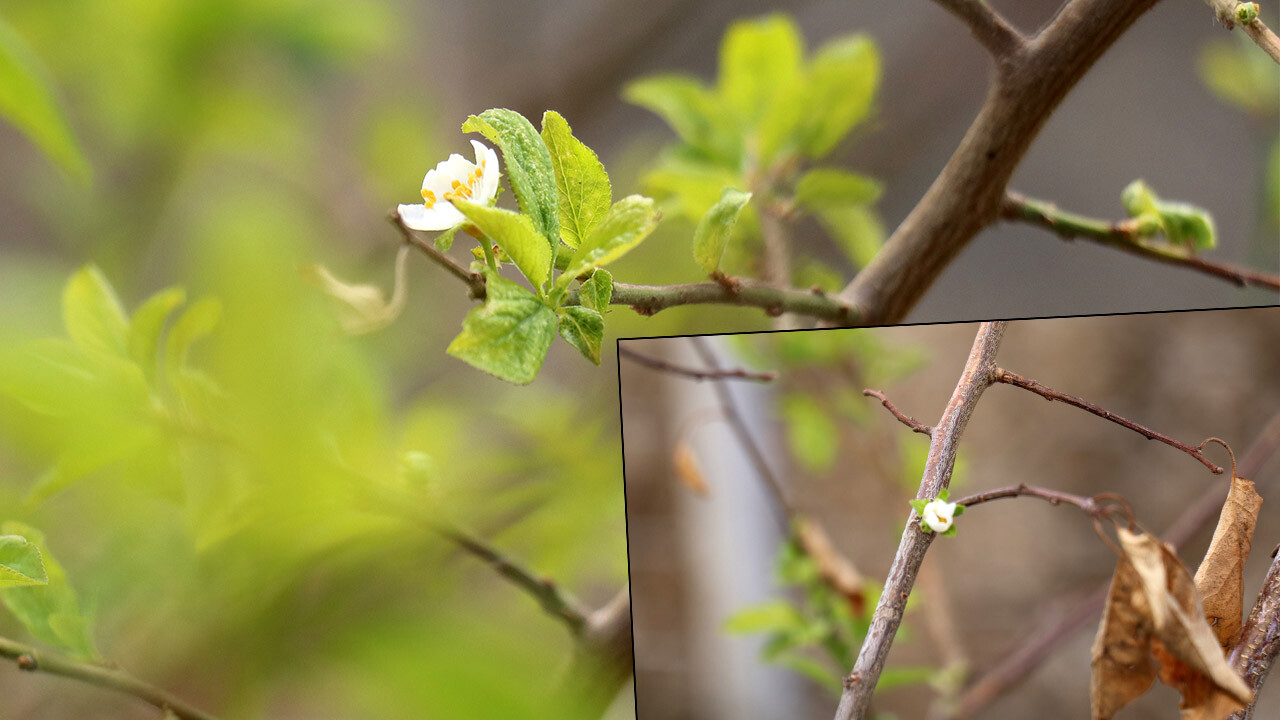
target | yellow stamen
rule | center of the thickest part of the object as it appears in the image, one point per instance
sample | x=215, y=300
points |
x=428, y=198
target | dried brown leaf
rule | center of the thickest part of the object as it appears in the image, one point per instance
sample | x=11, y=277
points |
x=1220, y=578
x=1187, y=650
x=834, y=567
x=1121, y=658
x=688, y=472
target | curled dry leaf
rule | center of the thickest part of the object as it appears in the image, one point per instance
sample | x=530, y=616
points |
x=1220, y=578
x=1122, y=666
x=688, y=472
x=835, y=568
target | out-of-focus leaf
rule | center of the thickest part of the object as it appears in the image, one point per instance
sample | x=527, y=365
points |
x=757, y=58
x=1220, y=577
x=198, y=321
x=50, y=612
x=509, y=335
x=811, y=434
x=365, y=308
x=713, y=231
x=597, y=291
x=147, y=325
x=688, y=188
x=517, y=235
x=626, y=225
x=773, y=616
x=585, y=192
x=27, y=101
x=857, y=230
x=20, y=563
x=694, y=112
x=896, y=677
x=583, y=328
x=838, y=92
x=529, y=168
x=1239, y=75
x=828, y=188
x=92, y=313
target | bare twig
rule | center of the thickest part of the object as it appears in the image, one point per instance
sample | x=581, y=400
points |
x=1231, y=13
x=977, y=376
x=1259, y=643
x=996, y=35
x=32, y=660
x=696, y=373
x=474, y=281
x=1009, y=378
x=914, y=424
x=1125, y=236
x=1089, y=505
x=552, y=599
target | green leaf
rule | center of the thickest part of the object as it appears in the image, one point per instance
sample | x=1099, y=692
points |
x=509, y=335
x=27, y=101
x=895, y=677
x=20, y=563
x=810, y=432
x=950, y=532
x=583, y=328
x=529, y=168
x=585, y=193
x=444, y=241
x=517, y=235
x=958, y=511
x=50, y=612
x=198, y=321
x=812, y=669
x=691, y=109
x=712, y=235
x=92, y=313
x=857, y=230
x=918, y=504
x=835, y=95
x=757, y=57
x=1180, y=223
x=148, y=323
x=688, y=187
x=597, y=291
x=773, y=616
x=627, y=223
x=823, y=188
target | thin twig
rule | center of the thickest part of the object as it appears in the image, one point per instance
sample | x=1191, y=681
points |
x=651, y=299
x=696, y=373
x=977, y=376
x=1125, y=236
x=988, y=27
x=1054, y=497
x=32, y=660
x=1009, y=378
x=914, y=424
x=474, y=281
x=1231, y=13
x=553, y=600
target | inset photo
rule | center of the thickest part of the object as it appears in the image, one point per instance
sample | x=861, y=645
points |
x=1046, y=518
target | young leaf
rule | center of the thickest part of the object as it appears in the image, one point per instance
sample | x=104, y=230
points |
x=597, y=291
x=583, y=328
x=856, y=229
x=811, y=434
x=1121, y=656
x=585, y=193
x=27, y=101
x=773, y=616
x=824, y=188
x=198, y=321
x=148, y=323
x=1220, y=577
x=20, y=563
x=529, y=169
x=712, y=235
x=836, y=93
x=50, y=612
x=92, y=314
x=509, y=335
x=687, y=187
x=691, y=110
x=517, y=235
x=757, y=58
x=627, y=223
x=1181, y=223
x=444, y=241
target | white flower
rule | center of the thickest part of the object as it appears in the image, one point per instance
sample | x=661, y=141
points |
x=453, y=179
x=938, y=515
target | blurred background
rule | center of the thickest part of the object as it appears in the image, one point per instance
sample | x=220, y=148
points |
x=224, y=145
x=730, y=621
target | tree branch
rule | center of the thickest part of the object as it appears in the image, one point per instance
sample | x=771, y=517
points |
x=1124, y=236
x=32, y=660
x=965, y=198
x=914, y=424
x=474, y=281
x=988, y=27
x=695, y=373
x=978, y=375
x=1230, y=13
x=1259, y=643
x=650, y=299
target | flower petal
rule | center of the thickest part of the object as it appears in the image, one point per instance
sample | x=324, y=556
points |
x=442, y=216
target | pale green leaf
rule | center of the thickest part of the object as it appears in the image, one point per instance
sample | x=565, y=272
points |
x=836, y=93
x=198, y=321
x=27, y=101
x=692, y=111
x=895, y=677
x=1180, y=223
x=585, y=193
x=20, y=563
x=515, y=234
x=714, y=229
x=688, y=188
x=583, y=328
x=50, y=612
x=857, y=230
x=444, y=241
x=528, y=166
x=773, y=616
x=597, y=291
x=822, y=188
x=811, y=433
x=757, y=58
x=147, y=325
x=626, y=225
x=509, y=335
x=92, y=313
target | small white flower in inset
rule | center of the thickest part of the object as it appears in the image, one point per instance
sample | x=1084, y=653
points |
x=938, y=515
x=453, y=179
